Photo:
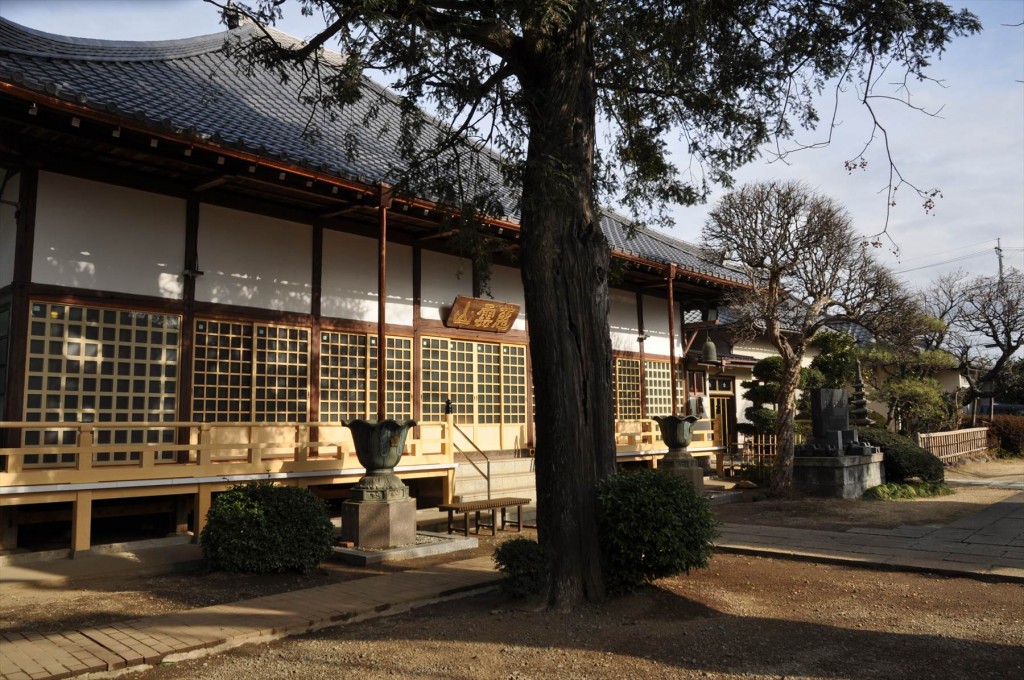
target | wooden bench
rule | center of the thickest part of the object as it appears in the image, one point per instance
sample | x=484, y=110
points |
x=493, y=504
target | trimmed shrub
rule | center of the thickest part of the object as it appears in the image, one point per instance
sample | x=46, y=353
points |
x=652, y=525
x=1008, y=431
x=261, y=528
x=525, y=565
x=891, y=492
x=904, y=459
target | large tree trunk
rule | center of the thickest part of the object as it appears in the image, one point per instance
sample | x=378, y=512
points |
x=565, y=279
x=785, y=430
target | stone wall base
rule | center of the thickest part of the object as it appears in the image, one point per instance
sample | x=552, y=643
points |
x=379, y=524
x=689, y=470
x=837, y=476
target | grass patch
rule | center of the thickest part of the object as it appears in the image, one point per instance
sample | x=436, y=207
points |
x=907, y=491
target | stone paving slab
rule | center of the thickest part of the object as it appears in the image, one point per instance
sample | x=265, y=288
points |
x=987, y=544
x=148, y=641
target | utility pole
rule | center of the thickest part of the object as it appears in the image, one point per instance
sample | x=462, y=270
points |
x=999, y=254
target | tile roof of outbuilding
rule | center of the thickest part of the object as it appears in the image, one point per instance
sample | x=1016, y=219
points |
x=190, y=86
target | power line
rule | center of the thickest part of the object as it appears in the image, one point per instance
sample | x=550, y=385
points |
x=949, y=261
x=943, y=252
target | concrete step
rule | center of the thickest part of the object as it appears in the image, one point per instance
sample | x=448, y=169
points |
x=504, y=484
x=499, y=465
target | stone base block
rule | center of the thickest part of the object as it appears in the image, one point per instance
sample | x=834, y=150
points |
x=689, y=470
x=376, y=524
x=837, y=476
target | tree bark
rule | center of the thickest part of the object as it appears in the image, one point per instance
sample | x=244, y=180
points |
x=785, y=429
x=565, y=278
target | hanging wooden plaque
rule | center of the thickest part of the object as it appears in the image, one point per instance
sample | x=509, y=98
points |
x=482, y=315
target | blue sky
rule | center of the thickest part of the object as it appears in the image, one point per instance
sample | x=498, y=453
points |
x=973, y=150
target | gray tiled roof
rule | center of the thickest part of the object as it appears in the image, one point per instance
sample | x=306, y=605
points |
x=653, y=245
x=191, y=87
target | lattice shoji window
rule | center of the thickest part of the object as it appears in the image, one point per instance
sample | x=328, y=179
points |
x=344, y=368
x=488, y=383
x=222, y=372
x=627, y=389
x=282, y=374
x=90, y=364
x=658, y=387
x=434, y=377
x=513, y=384
x=398, y=376
x=250, y=372
x=462, y=381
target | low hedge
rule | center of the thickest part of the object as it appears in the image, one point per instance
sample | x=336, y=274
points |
x=652, y=524
x=1008, y=432
x=526, y=566
x=262, y=528
x=904, y=460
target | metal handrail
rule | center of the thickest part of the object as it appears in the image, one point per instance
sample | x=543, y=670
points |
x=485, y=475
x=487, y=459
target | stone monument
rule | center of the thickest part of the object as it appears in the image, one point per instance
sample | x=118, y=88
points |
x=380, y=513
x=834, y=462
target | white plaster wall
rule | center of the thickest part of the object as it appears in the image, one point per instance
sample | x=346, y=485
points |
x=349, y=283
x=507, y=286
x=622, y=320
x=444, y=277
x=760, y=348
x=103, y=237
x=254, y=261
x=8, y=229
x=656, y=328
x=951, y=380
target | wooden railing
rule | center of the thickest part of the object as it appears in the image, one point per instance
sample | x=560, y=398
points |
x=112, y=452
x=638, y=436
x=951, y=446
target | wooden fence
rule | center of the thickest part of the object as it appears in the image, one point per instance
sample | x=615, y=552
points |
x=758, y=449
x=951, y=446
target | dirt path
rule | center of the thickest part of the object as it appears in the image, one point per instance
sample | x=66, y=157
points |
x=742, y=617
x=28, y=609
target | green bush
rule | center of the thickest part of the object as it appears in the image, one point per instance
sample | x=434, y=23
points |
x=891, y=492
x=526, y=567
x=652, y=525
x=1008, y=431
x=904, y=459
x=264, y=529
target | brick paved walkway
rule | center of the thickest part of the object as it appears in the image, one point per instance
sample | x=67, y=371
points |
x=988, y=544
x=172, y=636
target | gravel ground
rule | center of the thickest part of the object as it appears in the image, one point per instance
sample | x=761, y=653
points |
x=742, y=617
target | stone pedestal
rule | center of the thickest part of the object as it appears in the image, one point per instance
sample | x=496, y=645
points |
x=379, y=524
x=837, y=476
x=684, y=466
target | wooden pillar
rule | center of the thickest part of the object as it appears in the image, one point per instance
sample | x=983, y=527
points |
x=201, y=505
x=382, y=294
x=672, y=337
x=9, y=527
x=641, y=340
x=181, y=509
x=417, y=364
x=187, y=330
x=315, y=309
x=81, y=524
x=24, y=241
